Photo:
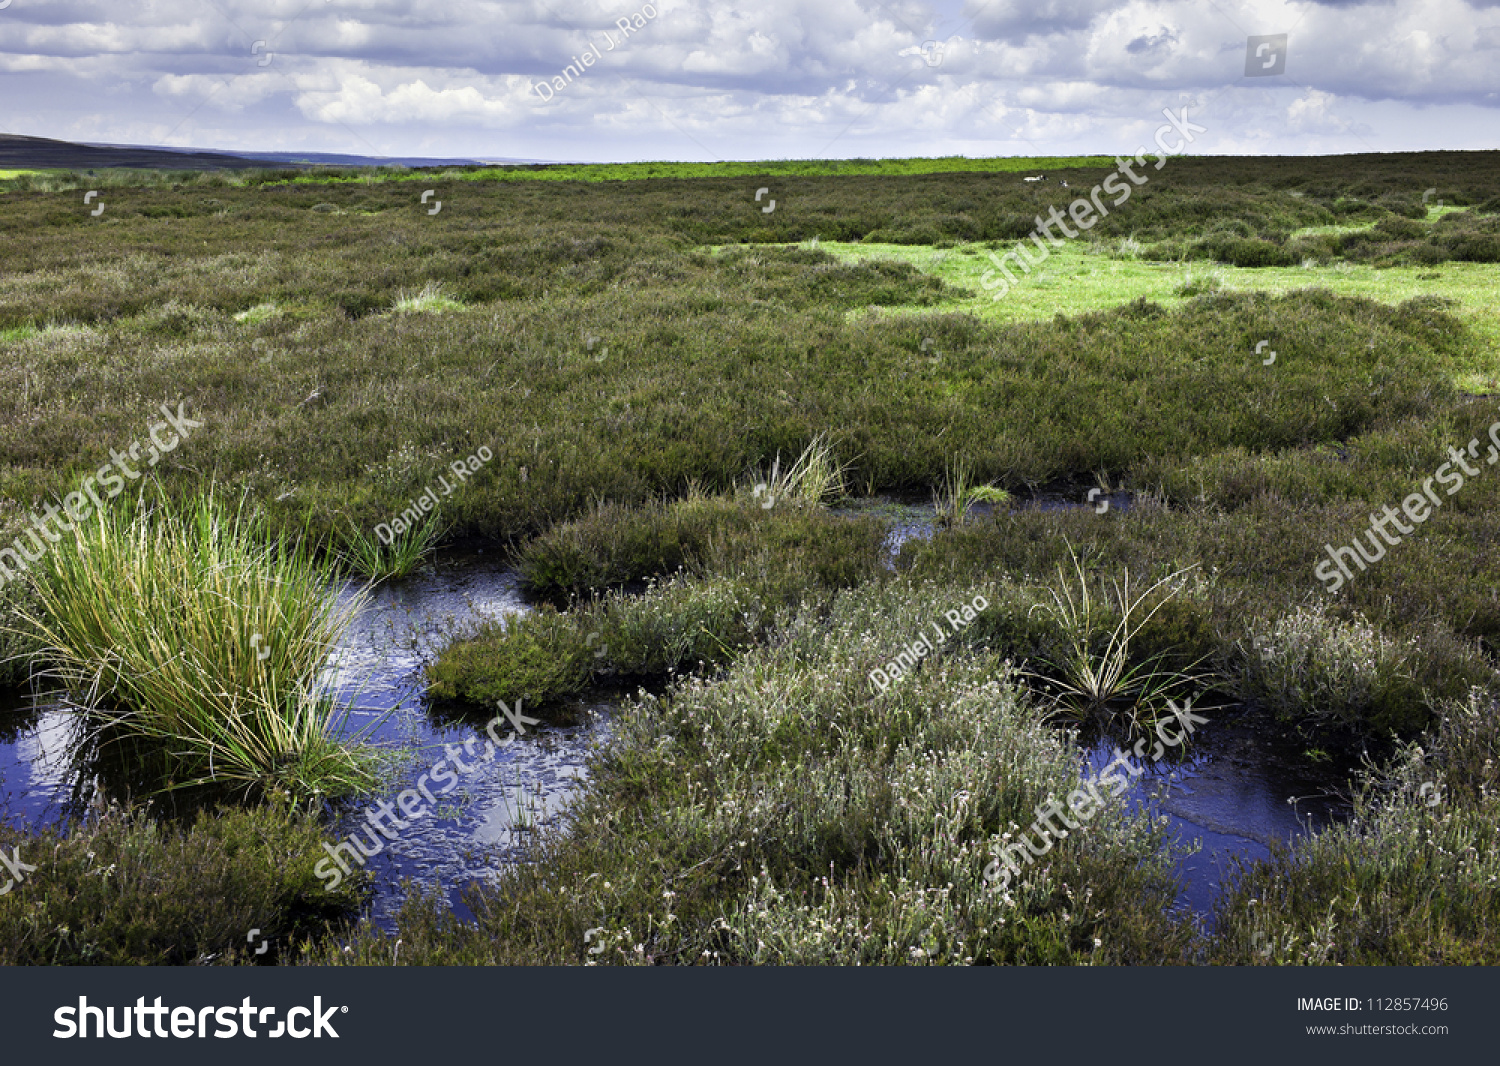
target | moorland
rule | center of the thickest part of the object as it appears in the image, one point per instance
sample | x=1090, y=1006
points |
x=701, y=414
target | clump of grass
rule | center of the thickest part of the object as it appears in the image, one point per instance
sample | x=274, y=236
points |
x=815, y=478
x=960, y=492
x=373, y=558
x=183, y=627
x=1099, y=670
x=1198, y=284
x=259, y=313
x=429, y=299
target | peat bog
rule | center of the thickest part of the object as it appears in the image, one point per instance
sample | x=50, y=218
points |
x=741, y=464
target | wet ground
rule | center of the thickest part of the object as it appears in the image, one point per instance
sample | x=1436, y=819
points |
x=1237, y=793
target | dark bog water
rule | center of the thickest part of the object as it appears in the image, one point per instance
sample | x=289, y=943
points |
x=489, y=816
x=1233, y=794
x=1237, y=793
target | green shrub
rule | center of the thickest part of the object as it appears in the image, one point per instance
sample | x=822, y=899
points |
x=1401, y=229
x=540, y=657
x=615, y=545
x=1250, y=252
x=1309, y=667
x=124, y=890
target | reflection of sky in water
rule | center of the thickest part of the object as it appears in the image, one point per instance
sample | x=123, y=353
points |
x=1232, y=795
x=490, y=815
x=916, y=520
x=36, y=767
x=491, y=812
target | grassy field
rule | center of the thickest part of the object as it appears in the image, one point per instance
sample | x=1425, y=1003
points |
x=1084, y=276
x=646, y=360
x=593, y=172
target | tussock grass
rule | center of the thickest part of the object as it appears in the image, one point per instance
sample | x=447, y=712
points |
x=815, y=478
x=180, y=625
x=371, y=557
x=429, y=299
x=1099, y=669
x=960, y=491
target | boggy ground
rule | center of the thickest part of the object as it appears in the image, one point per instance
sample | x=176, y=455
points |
x=637, y=354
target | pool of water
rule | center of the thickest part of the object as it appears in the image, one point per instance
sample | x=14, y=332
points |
x=913, y=517
x=486, y=819
x=1237, y=794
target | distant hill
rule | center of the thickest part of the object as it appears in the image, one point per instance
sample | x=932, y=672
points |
x=41, y=153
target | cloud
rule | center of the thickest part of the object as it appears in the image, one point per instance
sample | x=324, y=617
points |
x=708, y=78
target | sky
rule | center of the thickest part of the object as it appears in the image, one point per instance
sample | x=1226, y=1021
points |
x=703, y=80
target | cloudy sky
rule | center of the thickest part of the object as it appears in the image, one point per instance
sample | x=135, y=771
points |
x=701, y=80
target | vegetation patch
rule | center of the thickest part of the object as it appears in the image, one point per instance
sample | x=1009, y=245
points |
x=180, y=627
x=124, y=889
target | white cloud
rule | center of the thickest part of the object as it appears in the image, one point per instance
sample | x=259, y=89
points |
x=782, y=78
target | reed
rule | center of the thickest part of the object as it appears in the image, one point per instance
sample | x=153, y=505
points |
x=1097, y=670
x=815, y=478
x=960, y=491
